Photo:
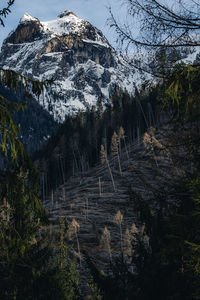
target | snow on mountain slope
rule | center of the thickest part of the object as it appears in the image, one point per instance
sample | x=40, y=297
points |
x=85, y=68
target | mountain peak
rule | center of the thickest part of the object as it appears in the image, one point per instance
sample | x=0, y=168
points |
x=66, y=13
x=66, y=23
x=73, y=52
x=27, y=18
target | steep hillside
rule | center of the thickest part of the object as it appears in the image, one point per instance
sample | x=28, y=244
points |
x=93, y=200
x=76, y=146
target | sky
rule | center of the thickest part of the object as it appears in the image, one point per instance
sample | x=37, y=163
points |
x=94, y=11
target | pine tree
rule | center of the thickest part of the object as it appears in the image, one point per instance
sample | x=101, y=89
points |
x=118, y=219
x=73, y=230
x=115, y=149
x=104, y=159
x=21, y=217
x=122, y=136
x=105, y=241
x=64, y=273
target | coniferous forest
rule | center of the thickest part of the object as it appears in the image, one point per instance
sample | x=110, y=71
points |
x=139, y=156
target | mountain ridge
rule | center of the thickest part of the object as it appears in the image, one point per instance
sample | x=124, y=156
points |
x=76, y=55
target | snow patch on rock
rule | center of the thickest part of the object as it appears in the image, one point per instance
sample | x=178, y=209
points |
x=27, y=18
x=79, y=59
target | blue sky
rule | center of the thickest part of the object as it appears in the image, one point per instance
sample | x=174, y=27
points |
x=95, y=11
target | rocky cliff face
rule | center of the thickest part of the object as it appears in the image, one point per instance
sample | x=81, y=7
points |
x=72, y=52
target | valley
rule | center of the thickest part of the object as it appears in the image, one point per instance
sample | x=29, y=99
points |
x=100, y=180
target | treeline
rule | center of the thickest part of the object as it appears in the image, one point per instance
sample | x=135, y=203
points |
x=76, y=146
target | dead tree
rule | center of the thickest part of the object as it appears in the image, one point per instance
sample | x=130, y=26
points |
x=104, y=159
x=115, y=149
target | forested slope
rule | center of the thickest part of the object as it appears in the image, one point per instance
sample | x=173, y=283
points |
x=139, y=203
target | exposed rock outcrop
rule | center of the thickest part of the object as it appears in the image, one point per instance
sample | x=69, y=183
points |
x=72, y=52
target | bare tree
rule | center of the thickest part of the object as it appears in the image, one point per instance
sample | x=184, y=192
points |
x=156, y=24
x=105, y=241
x=118, y=219
x=73, y=230
x=123, y=137
x=104, y=159
x=115, y=149
x=162, y=23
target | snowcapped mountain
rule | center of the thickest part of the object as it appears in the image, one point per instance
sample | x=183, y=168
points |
x=75, y=54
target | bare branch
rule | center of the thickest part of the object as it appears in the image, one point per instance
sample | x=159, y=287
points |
x=5, y=11
x=160, y=26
